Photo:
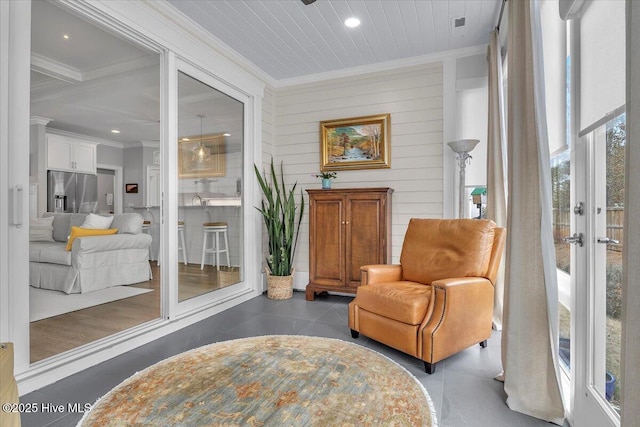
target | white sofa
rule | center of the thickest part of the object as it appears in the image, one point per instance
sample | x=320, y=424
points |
x=94, y=262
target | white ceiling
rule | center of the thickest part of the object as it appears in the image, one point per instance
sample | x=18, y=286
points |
x=96, y=81
x=287, y=39
x=93, y=81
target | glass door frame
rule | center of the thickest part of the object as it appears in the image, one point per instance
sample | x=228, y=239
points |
x=15, y=58
x=587, y=406
x=251, y=277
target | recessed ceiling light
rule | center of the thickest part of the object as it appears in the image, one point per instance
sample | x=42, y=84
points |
x=115, y=131
x=226, y=134
x=65, y=36
x=352, y=22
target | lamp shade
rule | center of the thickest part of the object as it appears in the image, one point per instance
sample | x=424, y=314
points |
x=463, y=145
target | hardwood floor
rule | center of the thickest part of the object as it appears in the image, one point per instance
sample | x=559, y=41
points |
x=70, y=330
x=193, y=282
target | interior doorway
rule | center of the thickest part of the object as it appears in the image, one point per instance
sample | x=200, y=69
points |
x=106, y=190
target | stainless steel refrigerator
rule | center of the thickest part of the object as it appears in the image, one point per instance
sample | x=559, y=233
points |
x=72, y=192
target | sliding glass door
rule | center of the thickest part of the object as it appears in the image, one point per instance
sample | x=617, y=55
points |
x=110, y=106
x=210, y=172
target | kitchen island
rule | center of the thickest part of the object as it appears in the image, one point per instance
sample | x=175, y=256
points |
x=194, y=211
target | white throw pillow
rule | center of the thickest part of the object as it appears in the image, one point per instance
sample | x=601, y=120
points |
x=97, y=221
x=41, y=229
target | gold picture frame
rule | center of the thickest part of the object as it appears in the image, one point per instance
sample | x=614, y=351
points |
x=188, y=167
x=356, y=143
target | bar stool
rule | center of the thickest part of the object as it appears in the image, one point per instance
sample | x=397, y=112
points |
x=181, y=245
x=215, y=228
x=145, y=229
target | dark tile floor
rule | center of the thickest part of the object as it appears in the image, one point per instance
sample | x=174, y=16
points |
x=462, y=388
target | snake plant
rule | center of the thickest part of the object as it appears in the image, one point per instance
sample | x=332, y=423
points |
x=279, y=213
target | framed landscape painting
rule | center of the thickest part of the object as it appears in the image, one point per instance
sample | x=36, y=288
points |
x=355, y=143
x=190, y=166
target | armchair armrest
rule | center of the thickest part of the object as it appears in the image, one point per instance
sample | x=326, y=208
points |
x=380, y=273
x=88, y=244
x=459, y=281
x=462, y=316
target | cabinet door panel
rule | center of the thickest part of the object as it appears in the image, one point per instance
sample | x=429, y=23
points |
x=365, y=233
x=327, y=244
x=59, y=154
x=84, y=156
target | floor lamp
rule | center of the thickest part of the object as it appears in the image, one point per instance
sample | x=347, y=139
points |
x=462, y=149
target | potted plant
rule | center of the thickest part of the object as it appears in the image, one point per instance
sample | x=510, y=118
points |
x=278, y=210
x=326, y=178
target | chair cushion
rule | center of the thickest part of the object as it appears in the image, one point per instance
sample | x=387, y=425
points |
x=435, y=249
x=404, y=301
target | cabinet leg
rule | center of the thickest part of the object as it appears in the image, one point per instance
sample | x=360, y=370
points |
x=483, y=344
x=355, y=334
x=310, y=295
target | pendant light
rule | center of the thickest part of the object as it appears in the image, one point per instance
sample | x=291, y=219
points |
x=201, y=153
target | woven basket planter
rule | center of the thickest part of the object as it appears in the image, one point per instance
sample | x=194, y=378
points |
x=228, y=276
x=279, y=287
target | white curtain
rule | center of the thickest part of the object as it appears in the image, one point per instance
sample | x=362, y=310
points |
x=496, y=163
x=530, y=322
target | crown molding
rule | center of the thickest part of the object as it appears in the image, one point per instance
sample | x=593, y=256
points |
x=60, y=71
x=37, y=120
x=121, y=67
x=55, y=69
x=87, y=138
x=150, y=144
x=381, y=66
x=196, y=31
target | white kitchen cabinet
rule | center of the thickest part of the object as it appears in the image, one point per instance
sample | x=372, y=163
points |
x=70, y=154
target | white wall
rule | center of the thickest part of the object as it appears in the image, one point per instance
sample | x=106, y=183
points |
x=413, y=96
x=268, y=124
x=471, y=119
x=134, y=173
x=267, y=151
x=108, y=155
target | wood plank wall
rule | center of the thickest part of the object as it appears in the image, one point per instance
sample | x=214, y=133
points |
x=412, y=95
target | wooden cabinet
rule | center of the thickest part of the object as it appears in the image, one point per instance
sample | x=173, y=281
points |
x=71, y=155
x=348, y=228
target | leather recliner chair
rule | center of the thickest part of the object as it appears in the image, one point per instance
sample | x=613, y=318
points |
x=439, y=299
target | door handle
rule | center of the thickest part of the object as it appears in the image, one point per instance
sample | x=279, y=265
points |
x=16, y=217
x=576, y=239
x=607, y=241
